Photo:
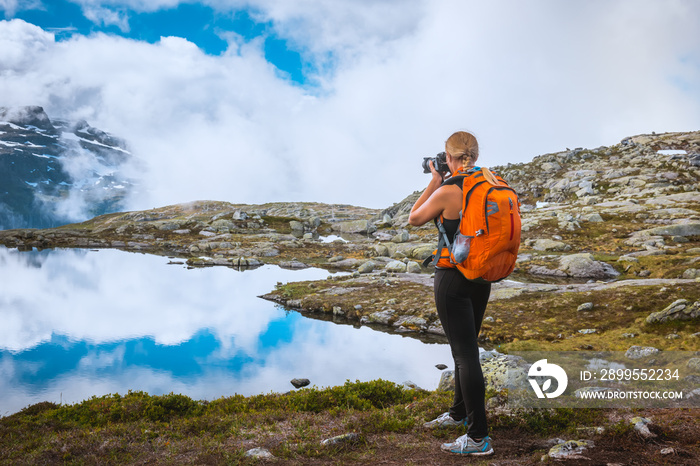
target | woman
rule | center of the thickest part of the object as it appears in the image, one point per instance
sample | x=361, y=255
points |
x=460, y=303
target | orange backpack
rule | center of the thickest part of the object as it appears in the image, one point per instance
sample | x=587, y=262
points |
x=486, y=246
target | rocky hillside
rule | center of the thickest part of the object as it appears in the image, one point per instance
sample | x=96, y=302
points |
x=55, y=171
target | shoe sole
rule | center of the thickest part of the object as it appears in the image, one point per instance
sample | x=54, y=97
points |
x=472, y=453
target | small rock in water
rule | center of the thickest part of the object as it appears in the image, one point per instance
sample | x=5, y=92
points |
x=298, y=383
x=441, y=367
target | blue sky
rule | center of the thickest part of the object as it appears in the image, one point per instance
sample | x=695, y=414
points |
x=341, y=99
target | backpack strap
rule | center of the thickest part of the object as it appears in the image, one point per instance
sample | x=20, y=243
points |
x=443, y=240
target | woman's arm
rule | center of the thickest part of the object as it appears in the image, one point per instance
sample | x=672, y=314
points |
x=430, y=203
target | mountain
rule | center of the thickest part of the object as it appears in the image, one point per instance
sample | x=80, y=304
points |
x=54, y=172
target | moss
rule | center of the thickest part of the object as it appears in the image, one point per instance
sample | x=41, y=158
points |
x=551, y=320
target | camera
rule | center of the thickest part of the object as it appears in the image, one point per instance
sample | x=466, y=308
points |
x=439, y=162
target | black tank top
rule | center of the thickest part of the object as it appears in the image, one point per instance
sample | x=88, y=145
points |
x=451, y=227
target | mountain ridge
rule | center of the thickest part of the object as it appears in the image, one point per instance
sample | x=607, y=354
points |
x=54, y=172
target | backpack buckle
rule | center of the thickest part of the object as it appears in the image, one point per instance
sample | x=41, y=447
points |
x=479, y=232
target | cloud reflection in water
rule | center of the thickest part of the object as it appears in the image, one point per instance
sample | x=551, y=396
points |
x=78, y=323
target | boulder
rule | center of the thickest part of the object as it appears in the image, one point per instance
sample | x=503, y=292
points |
x=595, y=217
x=413, y=267
x=447, y=382
x=681, y=229
x=680, y=309
x=639, y=352
x=400, y=237
x=570, y=450
x=584, y=266
x=503, y=371
x=395, y=267
x=382, y=317
x=411, y=322
x=367, y=267
x=422, y=252
x=355, y=226
x=550, y=245
x=381, y=250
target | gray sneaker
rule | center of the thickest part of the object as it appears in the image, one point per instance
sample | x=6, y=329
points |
x=444, y=420
x=465, y=445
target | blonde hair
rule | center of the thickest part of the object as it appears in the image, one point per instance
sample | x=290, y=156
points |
x=463, y=145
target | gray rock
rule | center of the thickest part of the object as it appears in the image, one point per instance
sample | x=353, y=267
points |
x=641, y=425
x=680, y=309
x=400, y=237
x=691, y=274
x=694, y=364
x=640, y=352
x=411, y=322
x=395, y=267
x=585, y=307
x=570, y=450
x=413, y=267
x=502, y=371
x=542, y=270
x=293, y=264
x=367, y=267
x=298, y=383
x=550, y=245
x=584, y=266
x=447, y=382
x=295, y=225
x=595, y=217
x=341, y=439
x=441, y=367
x=382, y=317
x=382, y=250
x=422, y=252
x=259, y=453
x=682, y=229
x=355, y=226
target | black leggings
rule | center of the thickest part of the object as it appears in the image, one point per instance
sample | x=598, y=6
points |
x=461, y=305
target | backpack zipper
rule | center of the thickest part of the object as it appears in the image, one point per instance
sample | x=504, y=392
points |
x=512, y=220
x=486, y=205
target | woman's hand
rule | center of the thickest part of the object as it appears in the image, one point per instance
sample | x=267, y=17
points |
x=437, y=177
x=427, y=207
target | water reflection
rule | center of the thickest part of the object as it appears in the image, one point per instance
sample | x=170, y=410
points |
x=77, y=323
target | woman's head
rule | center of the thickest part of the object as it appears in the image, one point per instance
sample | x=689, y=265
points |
x=462, y=145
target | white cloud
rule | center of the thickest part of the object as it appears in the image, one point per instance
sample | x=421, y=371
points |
x=526, y=77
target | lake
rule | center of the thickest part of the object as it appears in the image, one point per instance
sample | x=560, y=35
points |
x=78, y=323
